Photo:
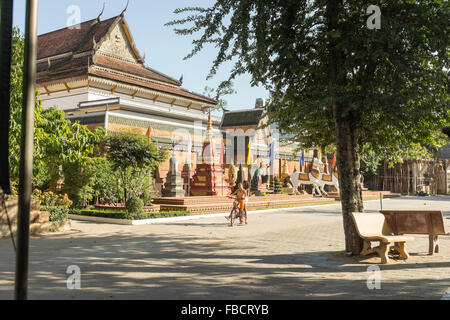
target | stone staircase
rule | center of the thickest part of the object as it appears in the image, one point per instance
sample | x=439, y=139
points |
x=39, y=221
x=219, y=204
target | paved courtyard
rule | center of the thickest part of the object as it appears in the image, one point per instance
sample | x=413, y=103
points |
x=287, y=254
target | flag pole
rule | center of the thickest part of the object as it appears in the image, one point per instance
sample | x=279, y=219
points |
x=26, y=157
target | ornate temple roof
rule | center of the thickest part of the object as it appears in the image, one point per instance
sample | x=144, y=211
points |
x=242, y=118
x=105, y=50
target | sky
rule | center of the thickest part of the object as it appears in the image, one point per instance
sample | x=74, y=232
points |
x=163, y=49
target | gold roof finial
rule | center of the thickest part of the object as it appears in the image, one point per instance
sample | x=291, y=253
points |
x=101, y=13
x=123, y=12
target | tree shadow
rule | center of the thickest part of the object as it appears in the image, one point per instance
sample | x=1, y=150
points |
x=130, y=266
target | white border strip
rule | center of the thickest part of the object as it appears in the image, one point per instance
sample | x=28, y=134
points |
x=186, y=218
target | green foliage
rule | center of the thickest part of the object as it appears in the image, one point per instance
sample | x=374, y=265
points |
x=224, y=89
x=277, y=186
x=370, y=163
x=78, y=182
x=57, y=213
x=134, y=158
x=99, y=213
x=105, y=181
x=56, y=140
x=124, y=214
x=135, y=208
x=390, y=85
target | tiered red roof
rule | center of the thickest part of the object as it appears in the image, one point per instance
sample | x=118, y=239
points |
x=67, y=53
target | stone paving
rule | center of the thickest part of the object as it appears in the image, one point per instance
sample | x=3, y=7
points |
x=284, y=254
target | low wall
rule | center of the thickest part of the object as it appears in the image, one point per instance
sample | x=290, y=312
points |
x=39, y=221
x=11, y=207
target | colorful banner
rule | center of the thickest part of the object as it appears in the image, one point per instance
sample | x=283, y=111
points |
x=249, y=155
x=302, y=159
x=333, y=166
x=271, y=153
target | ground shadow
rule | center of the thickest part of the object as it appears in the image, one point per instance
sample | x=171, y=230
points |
x=129, y=266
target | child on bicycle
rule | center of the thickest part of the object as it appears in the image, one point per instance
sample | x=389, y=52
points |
x=241, y=198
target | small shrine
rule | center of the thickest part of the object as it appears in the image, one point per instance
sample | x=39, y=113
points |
x=174, y=185
x=209, y=177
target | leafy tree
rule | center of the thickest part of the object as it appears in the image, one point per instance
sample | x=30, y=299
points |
x=89, y=180
x=328, y=72
x=370, y=163
x=56, y=140
x=105, y=181
x=134, y=158
x=217, y=94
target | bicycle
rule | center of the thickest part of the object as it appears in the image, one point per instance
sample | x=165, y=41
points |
x=235, y=212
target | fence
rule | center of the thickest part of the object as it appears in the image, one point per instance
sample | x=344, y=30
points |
x=414, y=176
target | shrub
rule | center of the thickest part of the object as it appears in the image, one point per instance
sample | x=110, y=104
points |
x=50, y=199
x=133, y=158
x=135, y=209
x=124, y=214
x=277, y=187
x=57, y=213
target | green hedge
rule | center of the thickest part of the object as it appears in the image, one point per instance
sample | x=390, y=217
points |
x=57, y=213
x=124, y=214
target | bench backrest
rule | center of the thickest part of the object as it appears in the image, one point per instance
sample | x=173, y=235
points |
x=416, y=221
x=371, y=224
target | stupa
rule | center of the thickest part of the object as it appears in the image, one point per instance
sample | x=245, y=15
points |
x=174, y=185
x=209, y=177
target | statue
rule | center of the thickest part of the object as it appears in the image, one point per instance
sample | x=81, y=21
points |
x=256, y=178
x=232, y=175
x=313, y=178
x=239, y=178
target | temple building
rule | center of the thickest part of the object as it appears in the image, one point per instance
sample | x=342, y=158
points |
x=248, y=137
x=95, y=73
x=97, y=76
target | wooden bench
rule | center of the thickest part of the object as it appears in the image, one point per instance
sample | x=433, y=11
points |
x=373, y=227
x=426, y=222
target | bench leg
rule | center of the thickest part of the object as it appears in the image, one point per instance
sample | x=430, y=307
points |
x=401, y=247
x=383, y=250
x=433, y=244
x=367, y=248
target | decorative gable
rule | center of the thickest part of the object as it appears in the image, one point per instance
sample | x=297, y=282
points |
x=117, y=45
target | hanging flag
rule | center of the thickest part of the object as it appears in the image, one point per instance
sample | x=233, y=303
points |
x=334, y=162
x=302, y=159
x=249, y=155
x=271, y=154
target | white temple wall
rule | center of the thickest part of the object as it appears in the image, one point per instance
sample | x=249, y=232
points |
x=63, y=100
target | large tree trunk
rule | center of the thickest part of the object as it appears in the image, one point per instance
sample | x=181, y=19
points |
x=346, y=125
x=348, y=161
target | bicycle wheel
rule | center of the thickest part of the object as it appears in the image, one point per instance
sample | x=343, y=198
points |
x=233, y=216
